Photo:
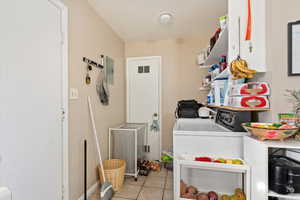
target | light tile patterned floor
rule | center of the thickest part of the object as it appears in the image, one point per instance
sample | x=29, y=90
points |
x=156, y=186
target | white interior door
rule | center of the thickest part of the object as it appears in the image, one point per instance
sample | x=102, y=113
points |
x=143, y=97
x=31, y=80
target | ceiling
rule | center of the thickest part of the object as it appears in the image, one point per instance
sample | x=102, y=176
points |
x=139, y=19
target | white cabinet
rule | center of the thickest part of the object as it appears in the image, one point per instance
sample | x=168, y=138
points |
x=256, y=155
x=254, y=51
x=234, y=14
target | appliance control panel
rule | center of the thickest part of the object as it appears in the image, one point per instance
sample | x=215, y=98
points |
x=233, y=120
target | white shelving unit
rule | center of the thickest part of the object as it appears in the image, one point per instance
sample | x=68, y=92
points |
x=220, y=49
x=256, y=154
x=187, y=162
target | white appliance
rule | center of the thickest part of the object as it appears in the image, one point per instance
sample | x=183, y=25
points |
x=203, y=137
x=5, y=194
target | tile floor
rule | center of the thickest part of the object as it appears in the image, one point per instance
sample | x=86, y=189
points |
x=156, y=186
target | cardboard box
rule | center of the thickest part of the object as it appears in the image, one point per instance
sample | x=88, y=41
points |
x=252, y=88
x=249, y=101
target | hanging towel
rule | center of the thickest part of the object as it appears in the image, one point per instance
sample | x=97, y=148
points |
x=155, y=123
x=154, y=126
x=102, y=89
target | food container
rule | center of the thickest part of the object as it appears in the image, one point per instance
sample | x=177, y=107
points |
x=202, y=57
x=219, y=89
x=249, y=102
x=288, y=118
x=252, y=88
x=269, y=131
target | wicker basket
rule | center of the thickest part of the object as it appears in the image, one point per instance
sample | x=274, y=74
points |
x=114, y=172
x=271, y=134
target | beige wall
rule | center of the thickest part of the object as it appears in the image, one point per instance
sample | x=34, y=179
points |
x=181, y=76
x=89, y=36
x=279, y=13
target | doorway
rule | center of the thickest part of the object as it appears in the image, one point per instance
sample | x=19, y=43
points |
x=34, y=99
x=144, y=99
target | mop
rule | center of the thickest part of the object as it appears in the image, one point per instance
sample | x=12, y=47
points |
x=106, y=188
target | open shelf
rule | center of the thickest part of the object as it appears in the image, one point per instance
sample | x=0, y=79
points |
x=203, y=67
x=238, y=109
x=223, y=74
x=204, y=89
x=220, y=49
x=288, y=196
x=189, y=163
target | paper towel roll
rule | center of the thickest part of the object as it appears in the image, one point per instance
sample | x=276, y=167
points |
x=5, y=194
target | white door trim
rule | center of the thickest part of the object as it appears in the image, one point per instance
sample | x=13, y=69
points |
x=65, y=97
x=159, y=58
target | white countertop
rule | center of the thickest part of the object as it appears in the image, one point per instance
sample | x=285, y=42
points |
x=203, y=127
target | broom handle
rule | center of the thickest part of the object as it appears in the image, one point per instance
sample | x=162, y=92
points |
x=96, y=137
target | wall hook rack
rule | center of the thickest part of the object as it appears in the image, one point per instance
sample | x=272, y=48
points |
x=92, y=63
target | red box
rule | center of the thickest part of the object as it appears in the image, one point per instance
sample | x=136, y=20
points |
x=252, y=88
x=249, y=101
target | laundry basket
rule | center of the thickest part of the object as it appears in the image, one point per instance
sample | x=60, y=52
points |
x=114, y=170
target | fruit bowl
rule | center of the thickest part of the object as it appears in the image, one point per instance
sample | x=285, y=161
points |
x=270, y=131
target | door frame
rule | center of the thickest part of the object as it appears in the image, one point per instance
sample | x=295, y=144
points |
x=63, y=10
x=159, y=58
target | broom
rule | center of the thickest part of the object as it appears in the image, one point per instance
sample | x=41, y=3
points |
x=106, y=188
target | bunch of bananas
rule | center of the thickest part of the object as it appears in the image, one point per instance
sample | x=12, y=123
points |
x=239, y=69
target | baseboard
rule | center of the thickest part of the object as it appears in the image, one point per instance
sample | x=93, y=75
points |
x=90, y=190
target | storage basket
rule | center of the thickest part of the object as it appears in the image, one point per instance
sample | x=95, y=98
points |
x=114, y=171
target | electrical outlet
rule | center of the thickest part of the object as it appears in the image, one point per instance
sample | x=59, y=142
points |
x=74, y=94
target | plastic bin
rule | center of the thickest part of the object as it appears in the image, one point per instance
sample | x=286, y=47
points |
x=114, y=171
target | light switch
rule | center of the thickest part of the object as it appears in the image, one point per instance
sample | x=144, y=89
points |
x=74, y=94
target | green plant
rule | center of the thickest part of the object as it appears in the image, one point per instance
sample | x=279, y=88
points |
x=294, y=97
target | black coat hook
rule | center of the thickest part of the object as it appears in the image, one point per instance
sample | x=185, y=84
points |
x=92, y=63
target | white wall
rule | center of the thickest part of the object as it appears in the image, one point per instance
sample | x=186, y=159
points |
x=279, y=14
x=90, y=36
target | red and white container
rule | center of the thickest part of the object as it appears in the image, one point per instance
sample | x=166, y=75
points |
x=249, y=101
x=250, y=89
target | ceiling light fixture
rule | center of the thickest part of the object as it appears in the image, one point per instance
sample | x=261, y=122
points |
x=165, y=18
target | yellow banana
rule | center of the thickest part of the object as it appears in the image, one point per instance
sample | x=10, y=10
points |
x=242, y=65
x=233, y=67
x=239, y=69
